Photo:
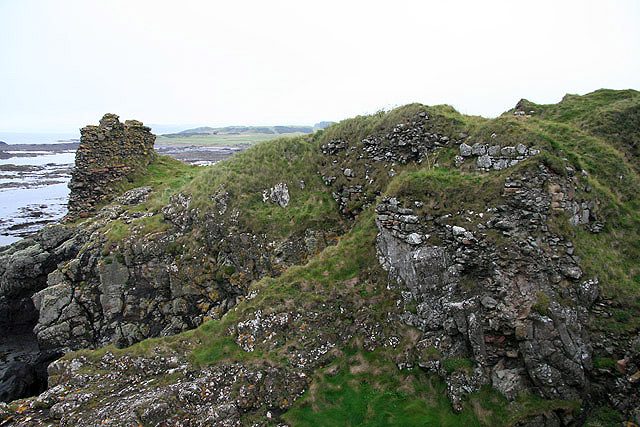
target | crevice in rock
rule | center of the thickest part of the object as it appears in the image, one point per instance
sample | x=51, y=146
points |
x=23, y=365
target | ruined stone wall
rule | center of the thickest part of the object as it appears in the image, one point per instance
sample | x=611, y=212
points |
x=108, y=153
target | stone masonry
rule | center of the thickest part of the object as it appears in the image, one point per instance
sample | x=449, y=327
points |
x=108, y=153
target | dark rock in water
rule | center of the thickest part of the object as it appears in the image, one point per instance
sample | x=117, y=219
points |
x=17, y=380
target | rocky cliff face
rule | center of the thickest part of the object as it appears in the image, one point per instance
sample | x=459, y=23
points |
x=108, y=153
x=23, y=271
x=488, y=286
x=383, y=259
x=126, y=273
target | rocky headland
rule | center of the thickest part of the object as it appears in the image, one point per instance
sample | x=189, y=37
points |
x=414, y=266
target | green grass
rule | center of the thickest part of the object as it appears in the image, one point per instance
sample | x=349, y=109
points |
x=447, y=190
x=116, y=231
x=454, y=364
x=246, y=175
x=444, y=117
x=610, y=114
x=166, y=176
x=217, y=345
x=218, y=140
x=365, y=389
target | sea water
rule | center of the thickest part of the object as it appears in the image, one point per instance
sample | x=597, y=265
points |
x=31, y=197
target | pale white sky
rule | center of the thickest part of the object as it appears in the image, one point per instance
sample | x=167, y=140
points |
x=64, y=63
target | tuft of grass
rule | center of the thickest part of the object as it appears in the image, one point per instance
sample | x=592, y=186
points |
x=604, y=363
x=541, y=306
x=604, y=416
x=454, y=364
x=115, y=232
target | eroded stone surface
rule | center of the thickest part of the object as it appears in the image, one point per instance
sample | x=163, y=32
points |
x=107, y=153
x=496, y=305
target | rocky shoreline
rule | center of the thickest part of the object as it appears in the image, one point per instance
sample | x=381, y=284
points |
x=38, y=211
x=23, y=360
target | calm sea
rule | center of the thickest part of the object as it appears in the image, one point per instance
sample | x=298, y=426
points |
x=33, y=189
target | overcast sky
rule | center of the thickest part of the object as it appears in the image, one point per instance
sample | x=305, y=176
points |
x=65, y=63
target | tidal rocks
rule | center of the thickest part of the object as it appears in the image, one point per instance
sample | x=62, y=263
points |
x=26, y=374
x=24, y=267
x=107, y=153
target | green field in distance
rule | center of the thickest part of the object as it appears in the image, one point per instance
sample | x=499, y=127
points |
x=220, y=140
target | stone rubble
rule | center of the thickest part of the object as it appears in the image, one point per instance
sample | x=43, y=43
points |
x=494, y=157
x=496, y=306
x=356, y=185
x=278, y=194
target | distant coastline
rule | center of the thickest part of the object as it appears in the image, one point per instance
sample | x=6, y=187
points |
x=18, y=138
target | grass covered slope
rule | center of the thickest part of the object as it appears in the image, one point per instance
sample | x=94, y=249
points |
x=330, y=328
x=612, y=115
x=245, y=176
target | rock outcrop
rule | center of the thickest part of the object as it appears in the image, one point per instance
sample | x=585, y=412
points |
x=108, y=153
x=459, y=249
x=24, y=267
x=495, y=301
